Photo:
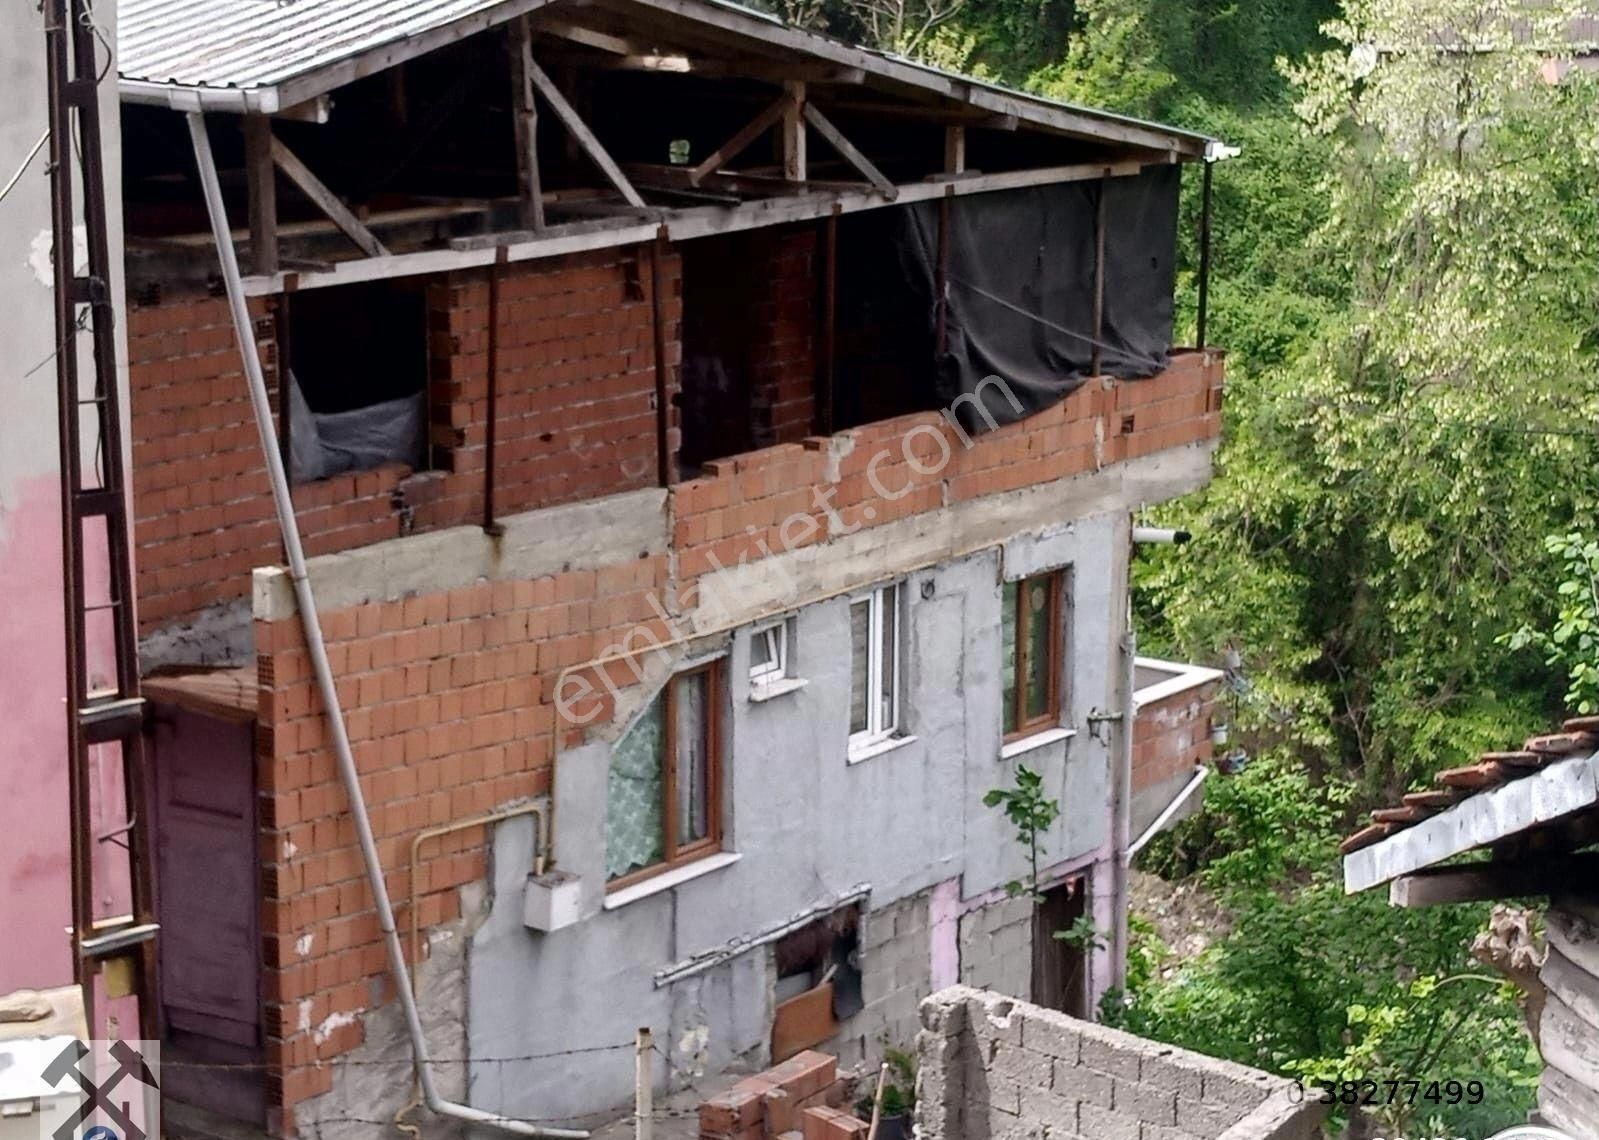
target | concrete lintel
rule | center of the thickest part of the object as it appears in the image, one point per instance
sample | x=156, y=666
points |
x=554, y=540
x=1183, y=677
x=795, y=578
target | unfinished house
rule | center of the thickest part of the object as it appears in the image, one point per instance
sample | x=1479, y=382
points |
x=1518, y=825
x=714, y=449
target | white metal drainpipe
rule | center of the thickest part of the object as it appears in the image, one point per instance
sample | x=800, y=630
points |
x=319, y=657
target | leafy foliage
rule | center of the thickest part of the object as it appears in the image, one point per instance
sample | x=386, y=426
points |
x=1573, y=643
x=1033, y=813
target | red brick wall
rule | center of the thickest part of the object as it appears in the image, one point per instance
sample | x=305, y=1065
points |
x=448, y=700
x=750, y=504
x=785, y=367
x=575, y=413
x=1172, y=736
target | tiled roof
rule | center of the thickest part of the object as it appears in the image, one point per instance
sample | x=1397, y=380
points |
x=1579, y=736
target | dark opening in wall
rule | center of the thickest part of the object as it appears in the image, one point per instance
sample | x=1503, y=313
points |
x=358, y=360
x=818, y=981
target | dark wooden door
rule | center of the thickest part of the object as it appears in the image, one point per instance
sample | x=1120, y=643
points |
x=1060, y=968
x=208, y=904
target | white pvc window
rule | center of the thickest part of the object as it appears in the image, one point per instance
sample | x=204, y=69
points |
x=874, y=627
x=769, y=653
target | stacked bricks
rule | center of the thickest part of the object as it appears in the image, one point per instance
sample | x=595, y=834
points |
x=575, y=415
x=993, y=1067
x=576, y=400
x=781, y=498
x=784, y=368
x=1171, y=737
x=450, y=711
x=801, y=1095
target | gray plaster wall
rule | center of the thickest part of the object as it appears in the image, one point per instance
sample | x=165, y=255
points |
x=993, y=1068
x=808, y=827
x=996, y=944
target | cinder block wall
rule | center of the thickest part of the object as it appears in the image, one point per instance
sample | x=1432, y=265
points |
x=575, y=417
x=993, y=1068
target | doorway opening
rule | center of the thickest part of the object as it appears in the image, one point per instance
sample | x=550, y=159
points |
x=1060, y=965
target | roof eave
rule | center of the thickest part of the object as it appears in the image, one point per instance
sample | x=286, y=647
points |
x=181, y=97
x=1487, y=817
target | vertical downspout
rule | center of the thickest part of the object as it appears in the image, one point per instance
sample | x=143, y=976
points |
x=1122, y=795
x=941, y=275
x=1097, y=351
x=319, y=658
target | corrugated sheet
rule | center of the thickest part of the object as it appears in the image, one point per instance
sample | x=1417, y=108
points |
x=253, y=45
x=259, y=43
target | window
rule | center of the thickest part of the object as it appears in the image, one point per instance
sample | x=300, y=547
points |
x=663, y=801
x=1032, y=643
x=769, y=653
x=874, y=666
x=358, y=366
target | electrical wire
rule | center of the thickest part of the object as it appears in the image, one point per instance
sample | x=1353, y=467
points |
x=26, y=162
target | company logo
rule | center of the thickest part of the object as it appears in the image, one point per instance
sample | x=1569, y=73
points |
x=1532, y=1132
x=100, y=1090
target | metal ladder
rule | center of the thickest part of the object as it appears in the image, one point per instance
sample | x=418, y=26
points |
x=122, y=950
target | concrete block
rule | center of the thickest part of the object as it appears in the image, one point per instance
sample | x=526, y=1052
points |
x=1206, y=1119
x=1111, y=1058
x=1052, y=1038
x=1084, y=1085
x=944, y=1016
x=1162, y=1132
x=1157, y=1106
x=1028, y=1069
x=1159, y=1070
x=1102, y=1124
x=1055, y=1113
x=1230, y=1084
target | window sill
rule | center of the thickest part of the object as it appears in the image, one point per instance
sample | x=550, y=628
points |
x=877, y=748
x=666, y=880
x=769, y=690
x=1037, y=740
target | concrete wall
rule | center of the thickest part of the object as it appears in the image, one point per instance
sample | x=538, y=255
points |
x=994, y=1068
x=34, y=883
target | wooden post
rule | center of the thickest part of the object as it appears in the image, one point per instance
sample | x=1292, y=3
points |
x=644, y=1086
x=282, y=333
x=877, y=1102
x=941, y=278
x=524, y=112
x=579, y=130
x=825, y=412
x=263, y=190
x=1099, y=279
x=954, y=149
x=794, y=132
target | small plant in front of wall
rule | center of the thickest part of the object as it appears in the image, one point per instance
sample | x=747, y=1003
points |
x=1032, y=813
x=1082, y=934
x=899, y=1094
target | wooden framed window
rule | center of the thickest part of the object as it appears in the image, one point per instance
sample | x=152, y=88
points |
x=874, y=628
x=1033, y=644
x=663, y=795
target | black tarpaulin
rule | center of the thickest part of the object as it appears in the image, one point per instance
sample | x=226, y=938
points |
x=1020, y=267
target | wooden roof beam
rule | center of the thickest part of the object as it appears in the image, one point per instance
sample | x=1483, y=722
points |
x=824, y=127
x=326, y=201
x=746, y=135
x=579, y=130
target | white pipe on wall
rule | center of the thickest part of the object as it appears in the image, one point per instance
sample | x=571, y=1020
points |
x=290, y=530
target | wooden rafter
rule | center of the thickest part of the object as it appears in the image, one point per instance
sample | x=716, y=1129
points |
x=1480, y=882
x=734, y=146
x=525, y=112
x=579, y=130
x=326, y=201
x=263, y=192
x=849, y=153
x=794, y=131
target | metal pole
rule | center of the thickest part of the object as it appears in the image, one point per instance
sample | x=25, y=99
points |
x=1204, y=256
x=1122, y=798
x=941, y=276
x=825, y=412
x=320, y=665
x=644, y=1088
